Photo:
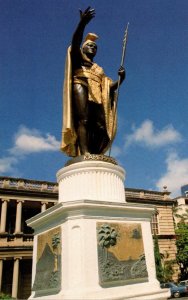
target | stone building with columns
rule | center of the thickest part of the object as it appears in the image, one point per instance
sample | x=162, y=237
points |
x=181, y=210
x=22, y=199
x=162, y=223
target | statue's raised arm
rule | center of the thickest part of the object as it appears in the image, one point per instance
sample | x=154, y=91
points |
x=85, y=18
x=89, y=116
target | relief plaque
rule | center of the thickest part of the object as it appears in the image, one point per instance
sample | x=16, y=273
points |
x=48, y=268
x=121, y=258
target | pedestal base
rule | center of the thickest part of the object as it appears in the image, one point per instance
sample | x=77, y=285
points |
x=94, y=249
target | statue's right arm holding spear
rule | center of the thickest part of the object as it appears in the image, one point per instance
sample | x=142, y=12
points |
x=93, y=102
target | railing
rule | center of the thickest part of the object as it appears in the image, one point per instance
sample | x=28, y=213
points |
x=26, y=184
x=35, y=185
x=28, y=237
x=143, y=194
x=24, y=237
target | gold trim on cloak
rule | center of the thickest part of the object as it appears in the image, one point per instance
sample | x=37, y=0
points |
x=98, y=91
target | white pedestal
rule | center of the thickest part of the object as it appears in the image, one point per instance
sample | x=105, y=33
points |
x=93, y=180
x=91, y=195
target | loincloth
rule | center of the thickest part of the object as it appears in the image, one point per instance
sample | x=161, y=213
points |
x=92, y=81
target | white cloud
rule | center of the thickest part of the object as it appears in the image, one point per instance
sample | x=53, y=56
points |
x=176, y=174
x=26, y=141
x=147, y=135
x=29, y=141
x=7, y=163
x=116, y=151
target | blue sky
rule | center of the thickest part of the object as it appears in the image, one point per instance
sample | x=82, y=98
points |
x=152, y=139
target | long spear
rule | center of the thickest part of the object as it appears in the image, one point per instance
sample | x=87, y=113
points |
x=125, y=38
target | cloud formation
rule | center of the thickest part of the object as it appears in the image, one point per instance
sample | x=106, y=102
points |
x=29, y=141
x=176, y=174
x=6, y=164
x=148, y=136
x=116, y=151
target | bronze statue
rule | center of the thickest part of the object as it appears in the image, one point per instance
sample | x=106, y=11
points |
x=89, y=113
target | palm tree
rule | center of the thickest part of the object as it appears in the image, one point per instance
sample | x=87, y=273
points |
x=55, y=243
x=107, y=237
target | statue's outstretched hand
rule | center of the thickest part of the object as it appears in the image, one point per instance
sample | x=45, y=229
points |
x=87, y=15
x=121, y=73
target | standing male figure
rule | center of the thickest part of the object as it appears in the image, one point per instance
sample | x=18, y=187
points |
x=89, y=114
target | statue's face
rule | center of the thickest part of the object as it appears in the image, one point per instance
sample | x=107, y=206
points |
x=90, y=49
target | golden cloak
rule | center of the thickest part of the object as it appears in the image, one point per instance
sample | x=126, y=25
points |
x=99, y=93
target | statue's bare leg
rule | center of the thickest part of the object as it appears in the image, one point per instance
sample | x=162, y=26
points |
x=99, y=136
x=80, y=108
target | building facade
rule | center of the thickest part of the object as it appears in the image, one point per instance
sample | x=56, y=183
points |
x=184, y=190
x=21, y=199
x=162, y=223
x=181, y=210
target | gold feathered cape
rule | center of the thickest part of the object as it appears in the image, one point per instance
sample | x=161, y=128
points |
x=69, y=136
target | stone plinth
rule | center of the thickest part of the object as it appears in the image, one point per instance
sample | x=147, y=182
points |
x=92, y=245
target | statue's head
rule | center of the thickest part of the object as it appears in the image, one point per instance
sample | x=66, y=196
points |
x=89, y=47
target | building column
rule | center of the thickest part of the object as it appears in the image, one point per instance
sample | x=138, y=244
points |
x=1, y=273
x=3, y=215
x=15, y=277
x=43, y=206
x=18, y=216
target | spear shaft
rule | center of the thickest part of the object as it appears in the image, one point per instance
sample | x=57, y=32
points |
x=119, y=79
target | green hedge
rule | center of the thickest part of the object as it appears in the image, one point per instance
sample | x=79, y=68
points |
x=5, y=296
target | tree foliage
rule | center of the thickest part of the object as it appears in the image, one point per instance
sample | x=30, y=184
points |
x=107, y=236
x=158, y=264
x=182, y=248
x=164, y=266
x=5, y=296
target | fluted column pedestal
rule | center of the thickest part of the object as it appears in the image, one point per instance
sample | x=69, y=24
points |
x=93, y=245
x=93, y=180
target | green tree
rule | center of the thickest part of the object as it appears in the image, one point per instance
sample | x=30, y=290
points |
x=158, y=264
x=181, y=230
x=5, y=296
x=182, y=248
x=164, y=266
x=168, y=267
